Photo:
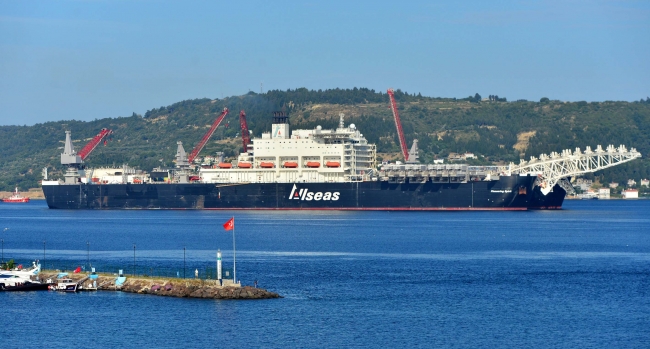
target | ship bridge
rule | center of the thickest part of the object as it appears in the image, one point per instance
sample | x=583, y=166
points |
x=554, y=168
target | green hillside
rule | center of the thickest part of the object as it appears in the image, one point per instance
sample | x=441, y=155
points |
x=497, y=131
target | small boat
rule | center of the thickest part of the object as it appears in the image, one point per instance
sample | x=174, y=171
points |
x=225, y=165
x=244, y=164
x=15, y=198
x=290, y=164
x=66, y=285
x=332, y=164
x=313, y=164
x=267, y=164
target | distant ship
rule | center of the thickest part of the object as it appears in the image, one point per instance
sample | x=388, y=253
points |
x=15, y=198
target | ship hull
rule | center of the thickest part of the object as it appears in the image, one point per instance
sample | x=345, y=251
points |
x=551, y=201
x=507, y=193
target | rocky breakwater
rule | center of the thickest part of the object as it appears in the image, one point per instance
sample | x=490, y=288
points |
x=189, y=288
x=184, y=288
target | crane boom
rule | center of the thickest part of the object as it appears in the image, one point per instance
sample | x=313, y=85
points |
x=398, y=124
x=245, y=135
x=207, y=136
x=88, y=148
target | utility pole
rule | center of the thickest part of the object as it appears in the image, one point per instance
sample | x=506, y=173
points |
x=3, y=246
x=184, y=265
x=43, y=264
x=88, y=255
x=133, y=260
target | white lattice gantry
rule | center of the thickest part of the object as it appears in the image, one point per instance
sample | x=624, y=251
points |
x=554, y=167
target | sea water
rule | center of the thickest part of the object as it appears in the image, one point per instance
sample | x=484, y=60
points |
x=579, y=277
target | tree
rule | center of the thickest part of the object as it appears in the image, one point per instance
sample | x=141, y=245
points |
x=544, y=100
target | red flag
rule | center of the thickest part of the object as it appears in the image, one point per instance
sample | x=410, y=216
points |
x=230, y=225
x=78, y=270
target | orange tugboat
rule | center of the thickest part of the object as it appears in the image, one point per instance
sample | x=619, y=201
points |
x=15, y=198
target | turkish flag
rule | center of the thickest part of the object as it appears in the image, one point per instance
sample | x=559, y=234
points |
x=78, y=270
x=230, y=225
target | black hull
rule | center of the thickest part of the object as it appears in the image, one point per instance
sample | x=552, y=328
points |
x=552, y=201
x=30, y=286
x=507, y=193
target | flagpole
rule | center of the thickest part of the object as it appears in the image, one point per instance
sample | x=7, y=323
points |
x=234, y=259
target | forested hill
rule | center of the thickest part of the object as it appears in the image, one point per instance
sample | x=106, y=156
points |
x=496, y=130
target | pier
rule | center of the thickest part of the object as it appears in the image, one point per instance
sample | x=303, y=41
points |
x=169, y=287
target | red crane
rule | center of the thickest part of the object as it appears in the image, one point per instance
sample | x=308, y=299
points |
x=88, y=148
x=245, y=135
x=398, y=124
x=207, y=136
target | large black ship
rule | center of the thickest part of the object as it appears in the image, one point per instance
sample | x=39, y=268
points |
x=314, y=169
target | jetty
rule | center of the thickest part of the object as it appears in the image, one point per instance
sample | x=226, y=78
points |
x=169, y=287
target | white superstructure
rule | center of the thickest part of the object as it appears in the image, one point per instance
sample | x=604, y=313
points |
x=341, y=155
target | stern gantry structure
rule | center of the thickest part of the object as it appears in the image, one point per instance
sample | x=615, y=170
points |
x=553, y=168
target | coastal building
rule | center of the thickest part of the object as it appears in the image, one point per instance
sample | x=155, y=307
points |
x=458, y=157
x=584, y=184
x=645, y=182
x=630, y=194
x=631, y=182
x=613, y=185
x=603, y=193
x=438, y=161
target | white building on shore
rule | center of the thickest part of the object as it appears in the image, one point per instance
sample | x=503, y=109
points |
x=630, y=194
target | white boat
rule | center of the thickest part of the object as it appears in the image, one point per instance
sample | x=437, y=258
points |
x=66, y=285
x=24, y=272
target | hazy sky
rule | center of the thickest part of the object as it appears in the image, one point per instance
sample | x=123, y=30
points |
x=95, y=59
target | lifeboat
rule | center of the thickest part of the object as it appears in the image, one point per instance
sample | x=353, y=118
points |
x=333, y=164
x=290, y=164
x=194, y=178
x=138, y=180
x=95, y=180
x=225, y=165
x=313, y=164
x=267, y=164
x=244, y=164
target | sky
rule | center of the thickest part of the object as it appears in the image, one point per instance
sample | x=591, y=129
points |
x=93, y=59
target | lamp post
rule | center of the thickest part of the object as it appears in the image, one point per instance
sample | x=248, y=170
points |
x=133, y=260
x=3, y=245
x=184, y=262
x=88, y=255
x=43, y=253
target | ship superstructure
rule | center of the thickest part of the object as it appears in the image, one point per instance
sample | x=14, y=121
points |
x=300, y=156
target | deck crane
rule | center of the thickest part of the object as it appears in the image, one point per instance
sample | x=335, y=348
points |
x=195, y=152
x=73, y=160
x=245, y=134
x=408, y=156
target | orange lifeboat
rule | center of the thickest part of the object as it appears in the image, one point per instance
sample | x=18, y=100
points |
x=95, y=180
x=225, y=165
x=137, y=180
x=267, y=164
x=333, y=164
x=244, y=164
x=290, y=164
x=313, y=164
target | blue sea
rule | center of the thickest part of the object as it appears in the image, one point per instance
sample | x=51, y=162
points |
x=575, y=278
